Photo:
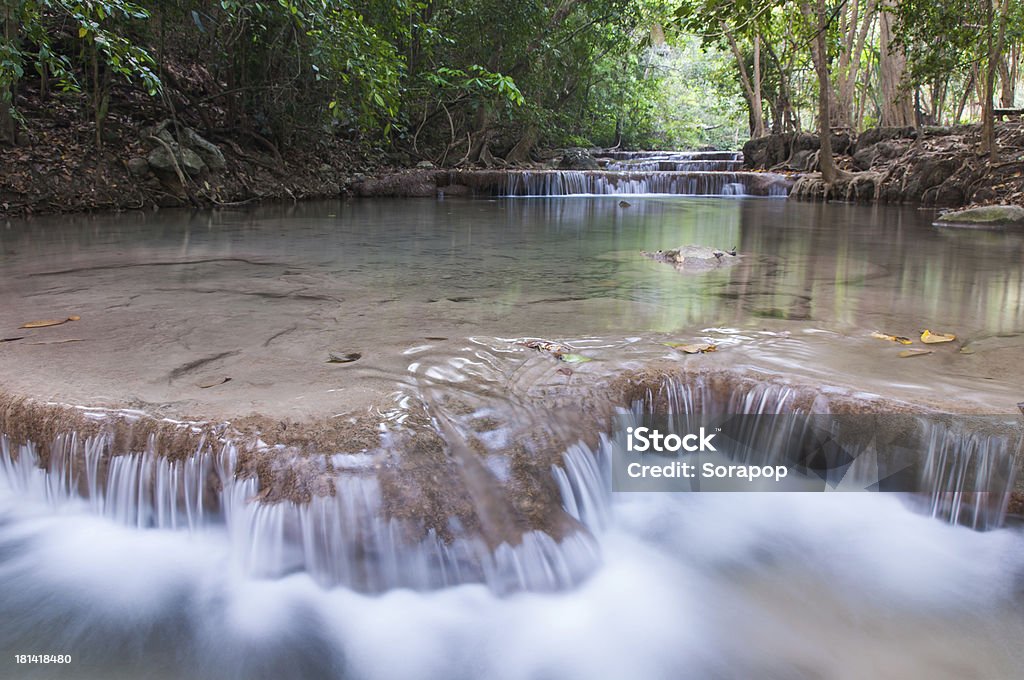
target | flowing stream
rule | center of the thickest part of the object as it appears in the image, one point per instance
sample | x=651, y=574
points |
x=146, y=538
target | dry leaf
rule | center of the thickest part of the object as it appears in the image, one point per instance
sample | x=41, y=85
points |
x=930, y=338
x=696, y=348
x=892, y=338
x=48, y=322
x=43, y=324
x=907, y=353
x=212, y=382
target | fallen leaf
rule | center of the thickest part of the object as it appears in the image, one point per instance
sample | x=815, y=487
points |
x=930, y=338
x=907, y=353
x=48, y=322
x=564, y=371
x=573, y=358
x=696, y=348
x=212, y=382
x=892, y=338
x=343, y=357
x=966, y=349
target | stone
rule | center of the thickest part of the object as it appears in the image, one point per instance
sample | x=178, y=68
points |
x=162, y=163
x=425, y=165
x=694, y=259
x=875, y=135
x=578, y=159
x=984, y=216
x=211, y=154
x=138, y=167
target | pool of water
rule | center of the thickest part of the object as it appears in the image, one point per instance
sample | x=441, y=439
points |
x=166, y=300
x=436, y=297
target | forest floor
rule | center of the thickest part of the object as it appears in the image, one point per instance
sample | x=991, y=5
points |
x=58, y=166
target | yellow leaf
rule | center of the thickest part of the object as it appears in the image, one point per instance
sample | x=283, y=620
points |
x=82, y=31
x=48, y=322
x=930, y=338
x=892, y=338
x=914, y=353
x=43, y=324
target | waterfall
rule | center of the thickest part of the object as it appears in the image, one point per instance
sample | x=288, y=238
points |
x=962, y=471
x=682, y=173
x=340, y=539
x=587, y=182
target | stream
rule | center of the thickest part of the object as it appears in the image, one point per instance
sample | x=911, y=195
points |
x=144, y=564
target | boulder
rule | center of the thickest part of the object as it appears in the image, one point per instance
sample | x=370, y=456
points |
x=577, y=159
x=162, y=163
x=138, y=167
x=694, y=259
x=207, y=150
x=984, y=216
x=875, y=135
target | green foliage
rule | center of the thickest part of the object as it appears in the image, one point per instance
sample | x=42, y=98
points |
x=101, y=25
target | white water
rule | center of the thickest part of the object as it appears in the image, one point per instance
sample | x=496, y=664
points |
x=684, y=585
x=597, y=183
x=696, y=586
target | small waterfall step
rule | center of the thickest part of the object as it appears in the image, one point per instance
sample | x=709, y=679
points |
x=679, y=173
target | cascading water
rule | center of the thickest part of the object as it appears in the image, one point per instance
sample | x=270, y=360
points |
x=239, y=589
x=570, y=183
x=695, y=173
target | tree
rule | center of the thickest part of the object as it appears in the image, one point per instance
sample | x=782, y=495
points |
x=896, y=107
x=818, y=18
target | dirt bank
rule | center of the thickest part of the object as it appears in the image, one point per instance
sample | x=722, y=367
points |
x=930, y=166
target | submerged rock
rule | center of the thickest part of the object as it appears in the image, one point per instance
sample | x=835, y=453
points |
x=984, y=216
x=694, y=259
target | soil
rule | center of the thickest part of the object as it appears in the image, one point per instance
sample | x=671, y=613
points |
x=931, y=166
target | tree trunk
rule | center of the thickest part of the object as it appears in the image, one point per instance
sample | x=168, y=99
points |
x=819, y=19
x=897, y=109
x=751, y=86
x=11, y=31
x=995, y=49
x=854, y=28
x=1007, y=81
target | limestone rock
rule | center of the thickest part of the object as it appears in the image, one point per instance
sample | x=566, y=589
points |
x=207, y=150
x=984, y=216
x=578, y=159
x=694, y=259
x=162, y=163
x=138, y=167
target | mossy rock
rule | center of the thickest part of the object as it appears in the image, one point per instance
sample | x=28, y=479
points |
x=984, y=216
